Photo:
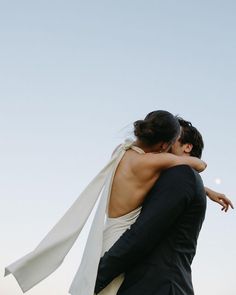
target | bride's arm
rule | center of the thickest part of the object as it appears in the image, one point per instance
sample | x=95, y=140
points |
x=219, y=198
x=164, y=161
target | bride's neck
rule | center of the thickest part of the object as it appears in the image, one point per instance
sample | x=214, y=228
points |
x=148, y=148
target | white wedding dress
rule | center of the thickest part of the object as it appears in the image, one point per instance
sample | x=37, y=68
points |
x=114, y=228
x=38, y=264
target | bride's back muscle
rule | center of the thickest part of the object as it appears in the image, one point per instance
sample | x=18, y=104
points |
x=132, y=180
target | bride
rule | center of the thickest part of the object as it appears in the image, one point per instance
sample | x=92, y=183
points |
x=119, y=190
x=136, y=174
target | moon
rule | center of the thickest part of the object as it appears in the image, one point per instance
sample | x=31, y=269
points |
x=218, y=180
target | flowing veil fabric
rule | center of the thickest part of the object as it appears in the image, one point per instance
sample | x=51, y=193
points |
x=51, y=251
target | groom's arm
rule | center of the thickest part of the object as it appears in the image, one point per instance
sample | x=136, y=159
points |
x=165, y=203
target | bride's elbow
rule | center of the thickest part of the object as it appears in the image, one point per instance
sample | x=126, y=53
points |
x=202, y=166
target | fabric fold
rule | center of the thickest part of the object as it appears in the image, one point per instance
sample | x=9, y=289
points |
x=51, y=251
x=85, y=278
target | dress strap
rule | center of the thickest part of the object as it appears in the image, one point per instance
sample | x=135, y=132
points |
x=129, y=144
x=137, y=149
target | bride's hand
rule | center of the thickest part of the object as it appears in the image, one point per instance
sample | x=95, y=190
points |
x=220, y=199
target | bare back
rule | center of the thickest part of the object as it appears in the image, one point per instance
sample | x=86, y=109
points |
x=131, y=183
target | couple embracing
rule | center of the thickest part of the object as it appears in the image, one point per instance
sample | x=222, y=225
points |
x=150, y=205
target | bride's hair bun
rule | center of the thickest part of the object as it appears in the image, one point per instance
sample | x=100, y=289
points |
x=143, y=129
x=157, y=126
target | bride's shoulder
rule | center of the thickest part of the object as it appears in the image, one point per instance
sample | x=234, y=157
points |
x=153, y=161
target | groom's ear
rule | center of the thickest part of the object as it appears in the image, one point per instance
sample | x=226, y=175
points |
x=188, y=148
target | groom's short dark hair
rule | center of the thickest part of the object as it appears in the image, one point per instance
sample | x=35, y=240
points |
x=190, y=134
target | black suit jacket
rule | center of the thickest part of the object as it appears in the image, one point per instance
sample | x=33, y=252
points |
x=157, y=251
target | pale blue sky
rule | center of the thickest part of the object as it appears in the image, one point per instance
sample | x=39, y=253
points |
x=74, y=76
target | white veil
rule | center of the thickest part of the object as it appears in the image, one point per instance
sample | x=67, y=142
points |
x=51, y=251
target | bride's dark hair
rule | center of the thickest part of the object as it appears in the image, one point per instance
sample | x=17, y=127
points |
x=158, y=126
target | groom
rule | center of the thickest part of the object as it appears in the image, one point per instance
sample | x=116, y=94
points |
x=157, y=251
